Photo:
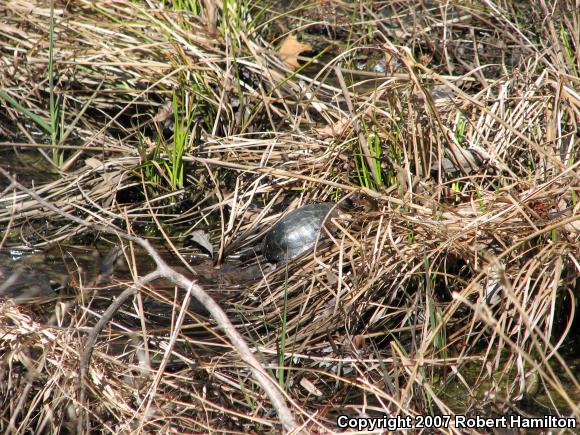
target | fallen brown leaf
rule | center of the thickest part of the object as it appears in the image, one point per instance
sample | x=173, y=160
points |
x=334, y=130
x=290, y=49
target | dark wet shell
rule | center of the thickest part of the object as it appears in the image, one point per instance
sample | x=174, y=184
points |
x=295, y=233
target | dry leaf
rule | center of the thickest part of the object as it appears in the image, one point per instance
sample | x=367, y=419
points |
x=310, y=387
x=290, y=49
x=333, y=130
x=202, y=239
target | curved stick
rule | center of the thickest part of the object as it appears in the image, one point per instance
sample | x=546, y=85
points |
x=268, y=384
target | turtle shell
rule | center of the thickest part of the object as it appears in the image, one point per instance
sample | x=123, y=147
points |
x=295, y=233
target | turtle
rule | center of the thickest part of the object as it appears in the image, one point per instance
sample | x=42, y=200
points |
x=295, y=233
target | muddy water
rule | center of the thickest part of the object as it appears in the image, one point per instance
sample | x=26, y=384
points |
x=32, y=168
x=536, y=399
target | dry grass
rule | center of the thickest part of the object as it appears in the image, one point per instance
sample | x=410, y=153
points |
x=450, y=291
